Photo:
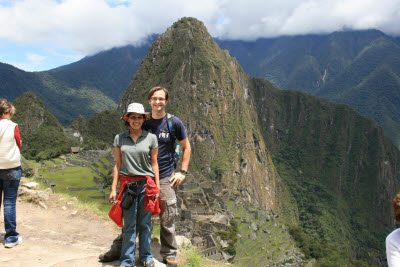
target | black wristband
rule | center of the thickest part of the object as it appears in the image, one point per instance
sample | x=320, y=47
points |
x=183, y=171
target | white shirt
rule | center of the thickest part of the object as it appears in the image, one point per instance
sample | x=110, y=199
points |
x=393, y=248
x=10, y=156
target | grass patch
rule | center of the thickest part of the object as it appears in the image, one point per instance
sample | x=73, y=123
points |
x=230, y=204
x=191, y=190
x=192, y=258
x=74, y=177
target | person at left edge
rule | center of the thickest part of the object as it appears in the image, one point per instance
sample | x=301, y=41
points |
x=10, y=171
x=136, y=169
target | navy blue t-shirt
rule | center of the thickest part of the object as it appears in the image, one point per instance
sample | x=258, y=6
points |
x=165, y=151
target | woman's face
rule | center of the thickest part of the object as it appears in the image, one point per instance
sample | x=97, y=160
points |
x=135, y=121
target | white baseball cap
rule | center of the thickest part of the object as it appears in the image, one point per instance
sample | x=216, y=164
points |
x=134, y=108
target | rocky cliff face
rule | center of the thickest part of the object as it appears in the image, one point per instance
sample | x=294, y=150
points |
x=209, y=93
x=339, y=167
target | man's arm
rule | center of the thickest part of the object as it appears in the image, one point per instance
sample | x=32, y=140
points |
x=178, y=178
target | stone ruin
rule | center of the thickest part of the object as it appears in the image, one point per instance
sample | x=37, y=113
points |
x=203, y=212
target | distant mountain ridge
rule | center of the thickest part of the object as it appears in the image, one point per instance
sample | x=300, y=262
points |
x=358, y=68
x=110, y=71
x=86, y=87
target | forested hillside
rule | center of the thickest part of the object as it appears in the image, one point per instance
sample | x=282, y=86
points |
x=339, y=173
x=42, y=135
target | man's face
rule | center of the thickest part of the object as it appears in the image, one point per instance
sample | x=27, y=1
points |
x=158, y=101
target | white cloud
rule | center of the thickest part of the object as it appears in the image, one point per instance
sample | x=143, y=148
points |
x=88, y=26
x=35, y=59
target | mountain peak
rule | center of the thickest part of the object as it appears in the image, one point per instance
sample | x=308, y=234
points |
x=188, y=27
x=209, y=93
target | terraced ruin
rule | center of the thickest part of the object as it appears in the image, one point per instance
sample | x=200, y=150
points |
x=261, y=239
x=85, y=175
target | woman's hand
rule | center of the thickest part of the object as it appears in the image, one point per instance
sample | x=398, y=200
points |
x=156, y=196
x=113, y=197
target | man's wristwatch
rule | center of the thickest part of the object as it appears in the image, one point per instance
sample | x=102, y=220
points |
x=183, y=172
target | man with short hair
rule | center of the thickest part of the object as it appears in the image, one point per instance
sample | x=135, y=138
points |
x=158, y=124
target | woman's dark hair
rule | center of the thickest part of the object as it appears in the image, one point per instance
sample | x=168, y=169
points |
x=6, y=107
x=155, y=89
x=396, y=208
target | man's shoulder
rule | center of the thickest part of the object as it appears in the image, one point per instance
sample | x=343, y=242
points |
x=176, y=119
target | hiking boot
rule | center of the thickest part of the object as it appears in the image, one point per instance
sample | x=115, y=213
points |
x=170, y=262
x=108, y=257
x=149, y=263
x=13, y=244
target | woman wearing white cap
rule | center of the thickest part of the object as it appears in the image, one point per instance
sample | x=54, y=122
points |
x=136, y=169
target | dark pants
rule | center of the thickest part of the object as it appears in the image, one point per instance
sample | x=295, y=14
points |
x=9, y=182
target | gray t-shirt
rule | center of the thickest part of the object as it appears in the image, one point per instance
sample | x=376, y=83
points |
x=135, y=157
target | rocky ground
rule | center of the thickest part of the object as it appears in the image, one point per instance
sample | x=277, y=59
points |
x=59, y=235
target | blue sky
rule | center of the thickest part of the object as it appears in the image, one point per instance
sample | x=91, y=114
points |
x=44, y=34
x=35, y=57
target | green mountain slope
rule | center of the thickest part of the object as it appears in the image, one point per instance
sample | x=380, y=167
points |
x=382, y=104
x=377, y=53
x=371, y=84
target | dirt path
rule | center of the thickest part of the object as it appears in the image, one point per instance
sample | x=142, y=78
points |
x=56, y=237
